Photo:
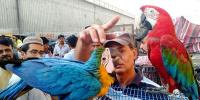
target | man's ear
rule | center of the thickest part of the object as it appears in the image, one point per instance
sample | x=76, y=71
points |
x=135, y=53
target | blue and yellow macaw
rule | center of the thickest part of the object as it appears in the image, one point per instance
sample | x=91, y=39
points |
x=70, y=80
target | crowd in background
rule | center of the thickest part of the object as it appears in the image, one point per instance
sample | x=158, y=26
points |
x=33, y=47
x=60, y=48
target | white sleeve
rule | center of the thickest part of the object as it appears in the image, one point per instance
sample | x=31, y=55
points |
x=55, y=50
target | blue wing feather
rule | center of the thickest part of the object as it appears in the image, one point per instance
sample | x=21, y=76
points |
x=13, y=90
x=58, y=77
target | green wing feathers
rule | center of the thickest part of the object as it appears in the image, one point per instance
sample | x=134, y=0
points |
x=179, y=65
x=93, y=64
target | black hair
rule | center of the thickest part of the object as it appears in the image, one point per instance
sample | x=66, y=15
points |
x=45, y=40
x=25, y=47
x=72, y=40
x=60, y=36
x=5, y=40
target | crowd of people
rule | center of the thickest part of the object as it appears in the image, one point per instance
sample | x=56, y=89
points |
x=31, y=47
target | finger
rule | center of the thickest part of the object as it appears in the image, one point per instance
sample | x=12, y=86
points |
x=110, y=24
x=83, y=35
x=93, y=33
x=100, y=32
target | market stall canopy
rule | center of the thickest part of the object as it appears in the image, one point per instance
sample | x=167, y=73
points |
x=188, y=33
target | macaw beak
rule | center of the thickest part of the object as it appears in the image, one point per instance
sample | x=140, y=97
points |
x=143, y=29
x=107, y=60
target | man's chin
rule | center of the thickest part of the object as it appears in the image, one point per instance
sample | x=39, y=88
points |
x=120, y=71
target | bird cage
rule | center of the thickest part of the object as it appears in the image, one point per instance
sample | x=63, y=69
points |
x=151, y=73
x=197, y=72
x=117, y=93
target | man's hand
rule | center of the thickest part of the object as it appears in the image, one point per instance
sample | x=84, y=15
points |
x=92, y=35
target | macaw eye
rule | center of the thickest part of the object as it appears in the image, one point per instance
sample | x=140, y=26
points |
x=103, y=58
x=151, y=11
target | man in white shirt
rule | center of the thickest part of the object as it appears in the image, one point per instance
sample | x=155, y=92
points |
x=71, y=41
x=61, y=48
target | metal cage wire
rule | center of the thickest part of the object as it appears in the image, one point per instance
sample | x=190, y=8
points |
x=117, y=93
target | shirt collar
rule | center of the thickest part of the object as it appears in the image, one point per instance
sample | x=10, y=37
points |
x=137, y=80
x=138, y=77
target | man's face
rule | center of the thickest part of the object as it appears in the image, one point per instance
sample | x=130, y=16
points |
x=143, y=46
x=61, y=40
x=123, y=57
x=6, y=52
x=35, y=50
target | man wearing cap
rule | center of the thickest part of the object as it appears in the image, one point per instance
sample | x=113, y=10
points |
x=33, y=47
x=71, y=41
x=123, y=52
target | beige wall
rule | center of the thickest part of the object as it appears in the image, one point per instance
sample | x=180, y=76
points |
x=68, y=16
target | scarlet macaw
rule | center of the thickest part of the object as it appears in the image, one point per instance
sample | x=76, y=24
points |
x=166, y=52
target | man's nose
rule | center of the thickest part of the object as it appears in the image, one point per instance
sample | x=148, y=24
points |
x=115, y=54
x=4, y=52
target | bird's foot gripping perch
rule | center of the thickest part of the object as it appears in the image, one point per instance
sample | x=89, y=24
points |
x=177, y=94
